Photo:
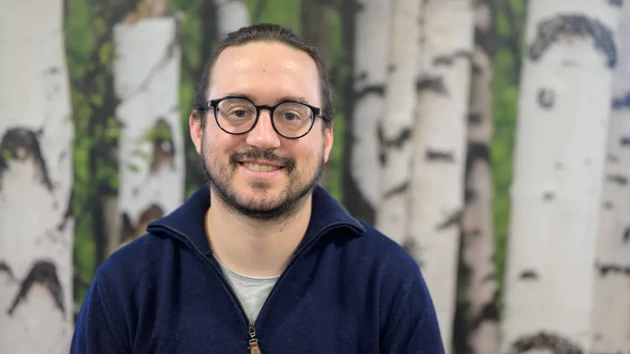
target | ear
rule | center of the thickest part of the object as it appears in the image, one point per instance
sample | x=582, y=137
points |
x=329, y=137
x=196, y=130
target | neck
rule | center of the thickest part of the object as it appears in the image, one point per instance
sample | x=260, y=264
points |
x=254, y=247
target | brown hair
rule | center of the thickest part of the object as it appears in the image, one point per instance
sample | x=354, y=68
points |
x=266, y=32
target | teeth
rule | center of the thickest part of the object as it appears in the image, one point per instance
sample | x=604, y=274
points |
x=260, y=168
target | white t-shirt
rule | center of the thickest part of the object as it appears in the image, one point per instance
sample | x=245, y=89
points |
x=251, y=291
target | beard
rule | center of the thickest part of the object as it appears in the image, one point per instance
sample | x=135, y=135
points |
x=281, y=206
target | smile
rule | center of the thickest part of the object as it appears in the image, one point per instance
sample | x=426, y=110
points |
x=260, y=168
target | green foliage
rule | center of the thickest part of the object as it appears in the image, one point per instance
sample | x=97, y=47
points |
x=510, y=24
x=283, y=12
x=192, y=42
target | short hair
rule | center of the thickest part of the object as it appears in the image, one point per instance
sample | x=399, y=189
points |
x=267, y=32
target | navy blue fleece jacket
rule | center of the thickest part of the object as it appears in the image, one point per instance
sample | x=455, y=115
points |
x=348, y=289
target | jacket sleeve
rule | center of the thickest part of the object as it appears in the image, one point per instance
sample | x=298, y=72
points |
x=412, y=326
x=94, y=331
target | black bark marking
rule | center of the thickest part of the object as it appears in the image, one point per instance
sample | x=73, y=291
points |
x=470, y=195
x=378, y=90
x=447, y=60
x=68, y=213
x=43, y=273
x=453, y=219
x=610, y=268
x=621, y=102
x=399, y=189
x=619, y=179
x=482, y=40
x=446, y=156
x=549, y=196
x=570, y=27
x=546, y=98
x=362, y=76
x=476, y=153
x=618, y=3
x=541, y=341
x=391, y=68
x=386, y=144
x=5, y=268
x=130, y=231
x=163, y=146
x=624, y=141
x=435, y=84
x=626, y=235
x=529, y=274
x=608, y=204
x=53, y=70
x=475, y=119
x=22, y=144
x=475, y=69
x=474, y=233
x=612, y=158
x=489, y=277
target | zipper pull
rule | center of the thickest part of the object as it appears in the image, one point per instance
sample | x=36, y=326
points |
x=253, y=342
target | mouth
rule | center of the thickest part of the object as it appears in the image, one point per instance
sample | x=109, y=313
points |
x=258, y=167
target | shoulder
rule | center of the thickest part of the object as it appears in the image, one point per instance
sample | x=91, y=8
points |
x=409, y=320
x=133, y=266
x=390, y=256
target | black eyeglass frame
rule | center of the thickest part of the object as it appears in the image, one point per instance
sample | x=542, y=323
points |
x=317, y=112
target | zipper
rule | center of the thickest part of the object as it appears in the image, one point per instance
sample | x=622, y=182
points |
x=254, y=348
x=253, y=342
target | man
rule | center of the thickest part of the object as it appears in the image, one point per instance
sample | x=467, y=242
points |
x=263, y=260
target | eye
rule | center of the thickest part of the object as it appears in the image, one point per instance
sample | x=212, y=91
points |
x=290, y=116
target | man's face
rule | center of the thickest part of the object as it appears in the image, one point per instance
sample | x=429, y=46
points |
x=266, y=73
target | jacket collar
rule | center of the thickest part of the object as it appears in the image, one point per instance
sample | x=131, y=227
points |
x=187, y=221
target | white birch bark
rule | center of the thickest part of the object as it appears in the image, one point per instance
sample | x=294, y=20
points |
x=440, y=149
x=396, y=127
x=370, y=75
x=146, y=80
x=478, y=310
x=558, y=167
x=36, y=132
x=232, y=15
x=611, y=311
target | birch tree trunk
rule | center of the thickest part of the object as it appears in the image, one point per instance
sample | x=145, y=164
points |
x=232, y=15
x=477, y=314
x=315, y=22
x=146, y=80
x=36, y=132
x=371, y=40
x=564, y=110
x=611, y=311
x=396, y=126
x=439, y=150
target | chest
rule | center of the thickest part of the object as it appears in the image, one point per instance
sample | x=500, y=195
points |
x=310, y=309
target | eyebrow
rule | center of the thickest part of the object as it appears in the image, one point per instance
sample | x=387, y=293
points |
x=281, y=99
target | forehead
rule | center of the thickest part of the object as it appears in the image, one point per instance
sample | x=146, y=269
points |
x=265, y=71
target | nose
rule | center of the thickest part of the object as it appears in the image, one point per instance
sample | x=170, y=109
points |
x=263, y=136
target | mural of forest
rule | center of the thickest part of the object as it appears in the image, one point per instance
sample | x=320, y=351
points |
x=490, y=138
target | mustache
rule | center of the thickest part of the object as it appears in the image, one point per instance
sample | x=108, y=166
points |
x=287, y=162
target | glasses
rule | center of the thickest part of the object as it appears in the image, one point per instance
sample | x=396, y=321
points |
x=239, y=115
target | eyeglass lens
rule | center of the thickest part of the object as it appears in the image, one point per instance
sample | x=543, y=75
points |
x=238, y=115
